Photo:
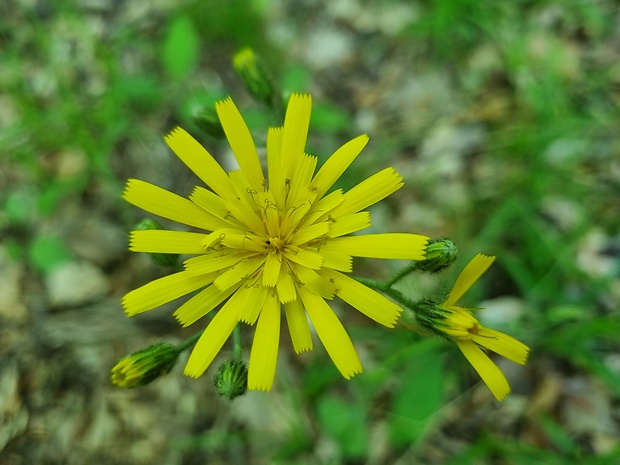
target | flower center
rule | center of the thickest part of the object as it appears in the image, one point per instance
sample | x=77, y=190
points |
x=276, y=243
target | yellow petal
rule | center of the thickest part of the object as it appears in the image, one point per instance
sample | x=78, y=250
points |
x=391, y=245
x=488, y=371
x=304, y=257
x=213, y=338
x=370, y=191
x=162, y=241
x=286, y=285
x=298, y=326
x=254, y=301
x=470, y=274
x=300, y=180
x=335, y=260
x=264, y=354
x=323, y=207
x=246, y=215
x=348, y=224
x=196, y=157
x=202, y=303
x=333, y=168
x=241, y=271
x=295, y=132
x=164, y=203
x=241, y=142
x=332, y=334
x=308, y=233
x=163, y=290
x=275, y=170
x=370, y=303
x=271, y=270
x=502, y=344
x=214, y=261
x=214, y=204
x=311, y=280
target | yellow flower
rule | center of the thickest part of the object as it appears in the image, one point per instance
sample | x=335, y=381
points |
x=457, y=324
x=268, y=244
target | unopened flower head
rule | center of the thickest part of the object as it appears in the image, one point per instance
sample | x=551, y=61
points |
x=457, y=324
x=269, y=243
x=231, y=380
x=252, y=71
x=440, y=253
x=145, y=366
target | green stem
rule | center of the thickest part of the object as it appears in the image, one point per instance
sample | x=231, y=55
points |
x=188, y=342
x=401, y=274
x=237, y=343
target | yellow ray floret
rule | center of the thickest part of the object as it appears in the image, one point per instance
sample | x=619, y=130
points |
x=164, y=203
x=196, y=157
x=332, y=334
x=264, y=352
x=158, y=241
x=241, y=142
x=389, y=245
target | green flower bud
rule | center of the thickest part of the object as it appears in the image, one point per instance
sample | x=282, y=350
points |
x=250, y=69
x=232, y=379
x=162, y=259
x=440, y=253
x=144, y=366
x=208, y=122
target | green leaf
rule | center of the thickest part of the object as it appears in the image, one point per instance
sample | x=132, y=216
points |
x=47, y=252
x=344, y=422
x=418, y=398
x=181, y=48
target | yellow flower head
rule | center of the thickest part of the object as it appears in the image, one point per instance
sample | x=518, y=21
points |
x=268, y=243
x=458, y=325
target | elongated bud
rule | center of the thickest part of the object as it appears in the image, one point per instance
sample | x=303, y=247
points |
x=145, y=366
x=232, y=379
x=250, y=69
x=440, y=253
x=162, y=259
x=208, y=122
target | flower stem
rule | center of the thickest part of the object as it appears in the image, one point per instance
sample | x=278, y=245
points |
x=236, y=343
x=188, y=342
x=401, y=274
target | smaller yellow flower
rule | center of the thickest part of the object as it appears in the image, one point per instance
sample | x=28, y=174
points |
x=457, y=324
